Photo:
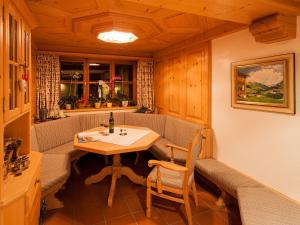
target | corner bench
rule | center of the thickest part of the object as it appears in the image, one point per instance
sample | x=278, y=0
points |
x=258, y=204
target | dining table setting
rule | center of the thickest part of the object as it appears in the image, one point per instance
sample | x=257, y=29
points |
x=122, y=139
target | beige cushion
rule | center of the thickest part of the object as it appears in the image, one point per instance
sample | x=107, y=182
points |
x=89, y=121
x=224, y=176
x=66, y=149
x=160, y=151
x=262, y=206
x=170, y=178
x=180, y=132
x=54, y=169
x=58, y=132
x=156, y=122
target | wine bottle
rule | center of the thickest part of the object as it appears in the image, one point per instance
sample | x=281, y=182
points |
x=111, y=123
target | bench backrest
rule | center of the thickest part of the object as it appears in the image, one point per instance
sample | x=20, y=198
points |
x=54, y=133
x=180, y=131
x=155, y=122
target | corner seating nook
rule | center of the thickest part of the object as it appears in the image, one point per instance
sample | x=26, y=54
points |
x=55, y=140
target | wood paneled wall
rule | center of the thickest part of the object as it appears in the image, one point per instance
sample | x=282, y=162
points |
x=183, y=83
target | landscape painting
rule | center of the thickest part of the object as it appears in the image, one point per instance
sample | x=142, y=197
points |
x=263, y=84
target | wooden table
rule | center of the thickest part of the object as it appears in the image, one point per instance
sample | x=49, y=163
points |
x=116, y=169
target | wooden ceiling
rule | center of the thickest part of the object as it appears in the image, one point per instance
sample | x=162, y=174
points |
x=73, y=25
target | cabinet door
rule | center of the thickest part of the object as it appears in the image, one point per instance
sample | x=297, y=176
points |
x=25, y=66
x=12, y=38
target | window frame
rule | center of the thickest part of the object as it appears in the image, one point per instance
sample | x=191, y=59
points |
x=86, y=76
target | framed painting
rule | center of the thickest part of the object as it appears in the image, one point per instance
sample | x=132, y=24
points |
x=265, y=84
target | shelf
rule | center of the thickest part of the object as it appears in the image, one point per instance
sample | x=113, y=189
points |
x=100, y=109
x=15, y=187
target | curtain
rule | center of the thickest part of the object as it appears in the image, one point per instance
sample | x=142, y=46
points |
x=145, y=91
x=48, y=83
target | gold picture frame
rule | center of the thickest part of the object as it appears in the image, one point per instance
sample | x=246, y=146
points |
x=265, y=84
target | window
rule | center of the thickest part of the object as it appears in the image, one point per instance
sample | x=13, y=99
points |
x=82, y=78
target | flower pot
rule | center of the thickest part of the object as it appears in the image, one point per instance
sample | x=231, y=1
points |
x=97, y=105
x=68, y=106
x=124, y=103
x=109, y=104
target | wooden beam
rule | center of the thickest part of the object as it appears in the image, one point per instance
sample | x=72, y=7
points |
x=96, y=56
x=274, y=28
x=243, y=11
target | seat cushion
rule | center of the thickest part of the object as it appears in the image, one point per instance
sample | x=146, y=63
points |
x=155, y=122
x=224, y=176
x=55, y=168
x=160, y=151
x=261, y=206
x=66, y=149
x=180, y=132
x=169, y=178
x=57, y=132
x=89, y=121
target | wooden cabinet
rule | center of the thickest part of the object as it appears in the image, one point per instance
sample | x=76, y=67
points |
x=19, y=195
x=182, y=83
x=16, y=62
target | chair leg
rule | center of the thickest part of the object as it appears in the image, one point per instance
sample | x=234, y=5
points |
x=137, y=158
x=187, y=206
x=106, y=160
x=149, y=199
x=195, y=193
x=75, y=167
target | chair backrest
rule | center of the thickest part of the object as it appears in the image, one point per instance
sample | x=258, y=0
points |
x=195, y=147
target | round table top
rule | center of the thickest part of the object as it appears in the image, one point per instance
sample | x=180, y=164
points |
x=105, y=148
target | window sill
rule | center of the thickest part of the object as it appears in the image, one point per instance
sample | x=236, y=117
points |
x=99, y=109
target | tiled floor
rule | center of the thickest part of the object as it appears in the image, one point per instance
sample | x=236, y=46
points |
x=87, y=205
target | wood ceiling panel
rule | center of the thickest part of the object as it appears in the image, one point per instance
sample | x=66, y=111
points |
x=73, y=25
x=241, y=11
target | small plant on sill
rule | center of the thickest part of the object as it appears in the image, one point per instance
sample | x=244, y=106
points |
x=69, y=102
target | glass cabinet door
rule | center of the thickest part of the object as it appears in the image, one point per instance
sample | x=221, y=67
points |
x=11, y=62
x=25, y=68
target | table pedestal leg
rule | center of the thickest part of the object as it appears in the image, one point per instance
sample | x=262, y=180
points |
x=116, y=170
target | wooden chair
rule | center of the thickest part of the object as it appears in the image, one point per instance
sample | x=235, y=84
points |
x=173, y=178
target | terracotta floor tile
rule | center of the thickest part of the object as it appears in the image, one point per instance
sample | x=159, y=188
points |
x=89, y=215
x=155, y=218
x=62, y=216
x=124, y=220
x=118, y=209
x=210, y=217
x=135, y=203
x=87, y=205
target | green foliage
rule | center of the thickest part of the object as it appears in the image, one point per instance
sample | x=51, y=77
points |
x=73, y=100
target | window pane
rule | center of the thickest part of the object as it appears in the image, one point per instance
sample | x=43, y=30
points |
x=124, y=71
x=71, y=71
x=94, y=91
x=71, y=90
x=11, y=86
x=99, y=72
x=125, y=89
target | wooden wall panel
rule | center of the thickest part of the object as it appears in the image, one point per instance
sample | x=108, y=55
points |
x=183, y=84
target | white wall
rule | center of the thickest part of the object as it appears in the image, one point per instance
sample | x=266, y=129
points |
x=263, y=145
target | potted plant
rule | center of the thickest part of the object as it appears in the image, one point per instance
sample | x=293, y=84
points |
x=109, y=102
x=70, y=102
x=123, y=99
x=95, y=101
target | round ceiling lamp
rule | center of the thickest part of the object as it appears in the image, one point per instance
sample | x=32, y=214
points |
x=117, y=37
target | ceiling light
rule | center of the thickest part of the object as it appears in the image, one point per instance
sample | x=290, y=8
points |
x=117, y=37
x=94, y=64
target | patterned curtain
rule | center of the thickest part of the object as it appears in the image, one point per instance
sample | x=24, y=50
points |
x=48, y=83
x=145, y=91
